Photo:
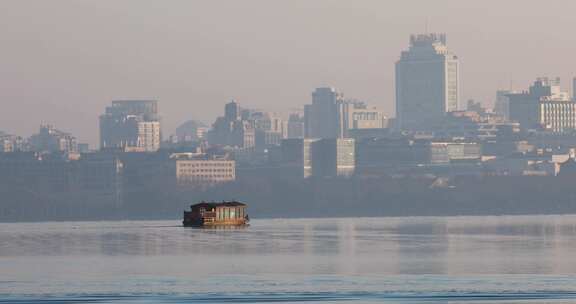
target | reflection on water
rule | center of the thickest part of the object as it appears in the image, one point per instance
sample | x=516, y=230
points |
x=473, y=259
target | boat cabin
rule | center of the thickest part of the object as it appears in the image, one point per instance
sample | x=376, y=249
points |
x=216, y=214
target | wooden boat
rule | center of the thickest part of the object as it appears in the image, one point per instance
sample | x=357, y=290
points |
x=213, y=214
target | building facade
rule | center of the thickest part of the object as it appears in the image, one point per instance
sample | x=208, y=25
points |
x=332, y=116
x=232, y=129
x=558, y=116
x=322, y=117
x=356, y=115
x=10, y=143
x=132, y=125
x=296, y=156
x=427, y=82
x=333, y=157
x=295, y=126
x=49, y=139
x=81, y=187
x=502, y=103
x=204, y=171
x=329, y=157
x=191, y=130
x=544, y=106
x=446, y=152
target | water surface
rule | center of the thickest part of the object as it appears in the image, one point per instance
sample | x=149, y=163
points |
x=357, y=260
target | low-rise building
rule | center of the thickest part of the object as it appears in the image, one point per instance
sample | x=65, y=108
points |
x=194, y=170
x=446, y=152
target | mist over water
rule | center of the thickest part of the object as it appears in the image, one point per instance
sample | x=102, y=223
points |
x=393, y=260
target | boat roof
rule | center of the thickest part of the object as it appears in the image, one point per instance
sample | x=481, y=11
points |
x=218, y=204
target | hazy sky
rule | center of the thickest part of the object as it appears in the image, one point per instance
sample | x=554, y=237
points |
x=62, y=62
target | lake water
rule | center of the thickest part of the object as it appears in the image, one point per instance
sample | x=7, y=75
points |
x=356, y=260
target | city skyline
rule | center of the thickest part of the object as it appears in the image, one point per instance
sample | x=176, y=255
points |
x=292, y=151
x=196, y=64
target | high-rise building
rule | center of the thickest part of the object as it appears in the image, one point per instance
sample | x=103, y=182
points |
x=132, y=125
x=50, y=139
x=232, y=129
x=295, y=126
x=331, y=116
x=191, y=130
x=574, y=88
x=544, y=106
x=270, y=129
x=502, y=103
x=267, y=121
x=332, y=157
x=232, y=111
x=329, y=157
x=427, y=82
x=297, y=154
x=322, y=116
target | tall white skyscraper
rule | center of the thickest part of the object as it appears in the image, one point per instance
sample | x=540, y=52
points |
x=427, y=82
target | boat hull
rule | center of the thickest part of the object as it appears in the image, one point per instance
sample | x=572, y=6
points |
x=199, y=223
